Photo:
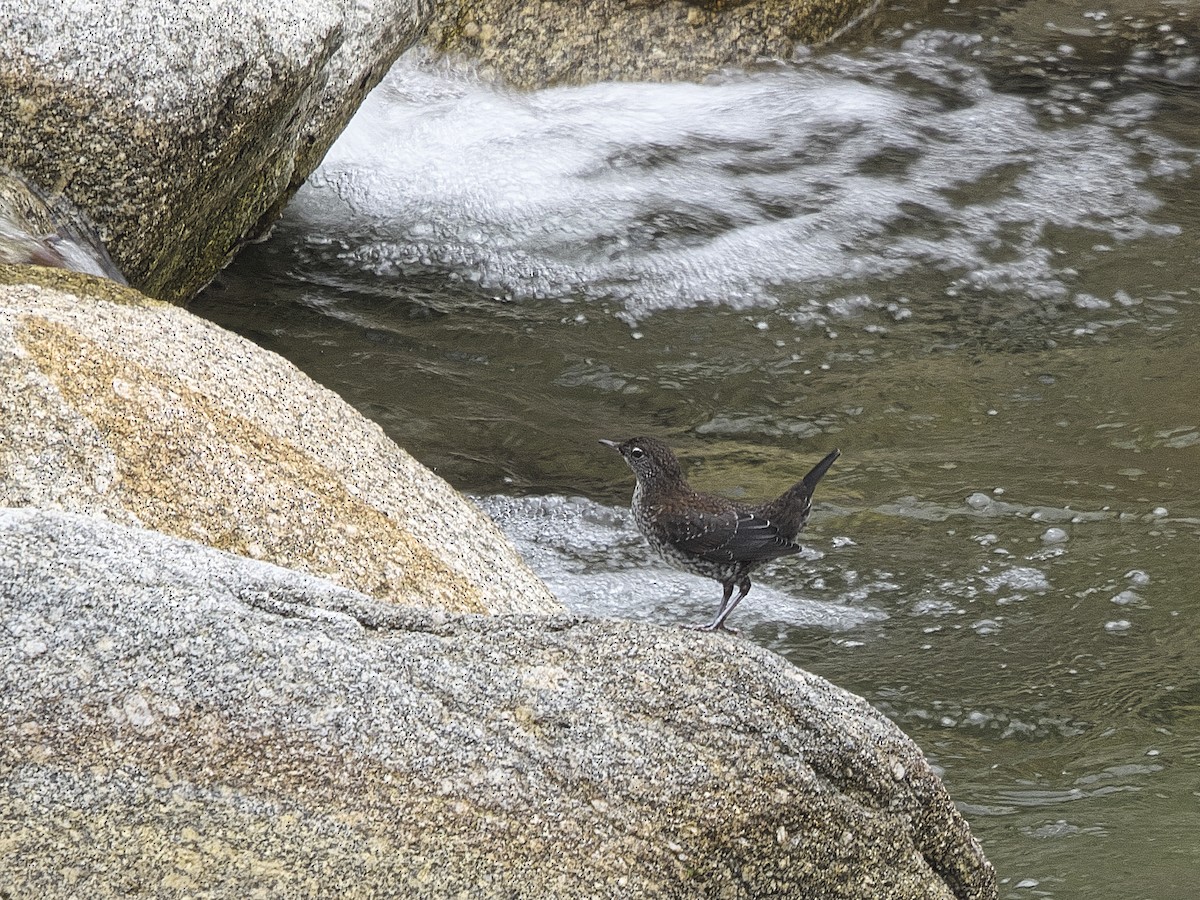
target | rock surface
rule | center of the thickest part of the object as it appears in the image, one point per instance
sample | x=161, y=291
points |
x=177, y=720
x=182, y=129
x=33, y=231
x=533, y=43
x=115, y=405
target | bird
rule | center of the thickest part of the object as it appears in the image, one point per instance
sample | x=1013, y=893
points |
x=708, y=535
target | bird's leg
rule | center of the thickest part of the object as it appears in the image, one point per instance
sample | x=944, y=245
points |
x=743, y=589
x=718, y=624
x=728, y=586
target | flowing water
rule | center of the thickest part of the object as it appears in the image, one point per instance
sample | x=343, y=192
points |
x=962, y=248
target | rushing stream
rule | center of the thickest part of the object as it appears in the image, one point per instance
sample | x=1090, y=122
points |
x=963, y=249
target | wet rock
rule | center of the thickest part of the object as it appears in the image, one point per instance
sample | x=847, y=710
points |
x=193, y=721
x=112, y=404
x=533, y=43
x=35, y=231
x=182, y=129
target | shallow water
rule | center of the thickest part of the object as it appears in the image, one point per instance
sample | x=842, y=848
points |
x=961, y=248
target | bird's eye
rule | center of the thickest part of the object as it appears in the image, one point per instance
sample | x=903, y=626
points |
x=637, y=452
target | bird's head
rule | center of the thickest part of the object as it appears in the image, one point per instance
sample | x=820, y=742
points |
x=651, y=460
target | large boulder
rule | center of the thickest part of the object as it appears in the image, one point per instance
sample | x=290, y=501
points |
x=177, y=721
x=181, y=129
x=533, y=43
x=116, y=405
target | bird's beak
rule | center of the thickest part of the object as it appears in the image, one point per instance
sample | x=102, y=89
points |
x=608, y=443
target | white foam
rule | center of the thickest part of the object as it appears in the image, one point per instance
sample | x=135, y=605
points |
x=736, y=191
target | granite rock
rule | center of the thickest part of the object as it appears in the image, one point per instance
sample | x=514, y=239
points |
x=115, y=405
x=534, y=43
x=177, y=721
x=181, y=129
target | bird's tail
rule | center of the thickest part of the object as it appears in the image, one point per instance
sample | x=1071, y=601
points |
x=809, y=481
x=790, y=511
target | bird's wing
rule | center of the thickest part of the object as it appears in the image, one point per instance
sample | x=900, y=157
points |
x=729, y=536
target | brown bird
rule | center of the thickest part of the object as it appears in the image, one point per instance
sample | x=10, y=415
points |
x=708, y=535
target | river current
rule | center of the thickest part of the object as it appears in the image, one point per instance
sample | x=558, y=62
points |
x=961, y=247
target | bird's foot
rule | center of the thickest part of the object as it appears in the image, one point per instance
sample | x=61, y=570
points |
x=712, y=626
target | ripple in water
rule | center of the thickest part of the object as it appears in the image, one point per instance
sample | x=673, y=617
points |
x=595, y=562
x=738, y=191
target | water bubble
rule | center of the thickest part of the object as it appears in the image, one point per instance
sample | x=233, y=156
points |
x=1117, y=627
x=1018, y=578
x=1137, y=577
x=1054, y=536
x=1125, y=598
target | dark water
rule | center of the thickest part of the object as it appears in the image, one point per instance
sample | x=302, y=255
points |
x=963, y=248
